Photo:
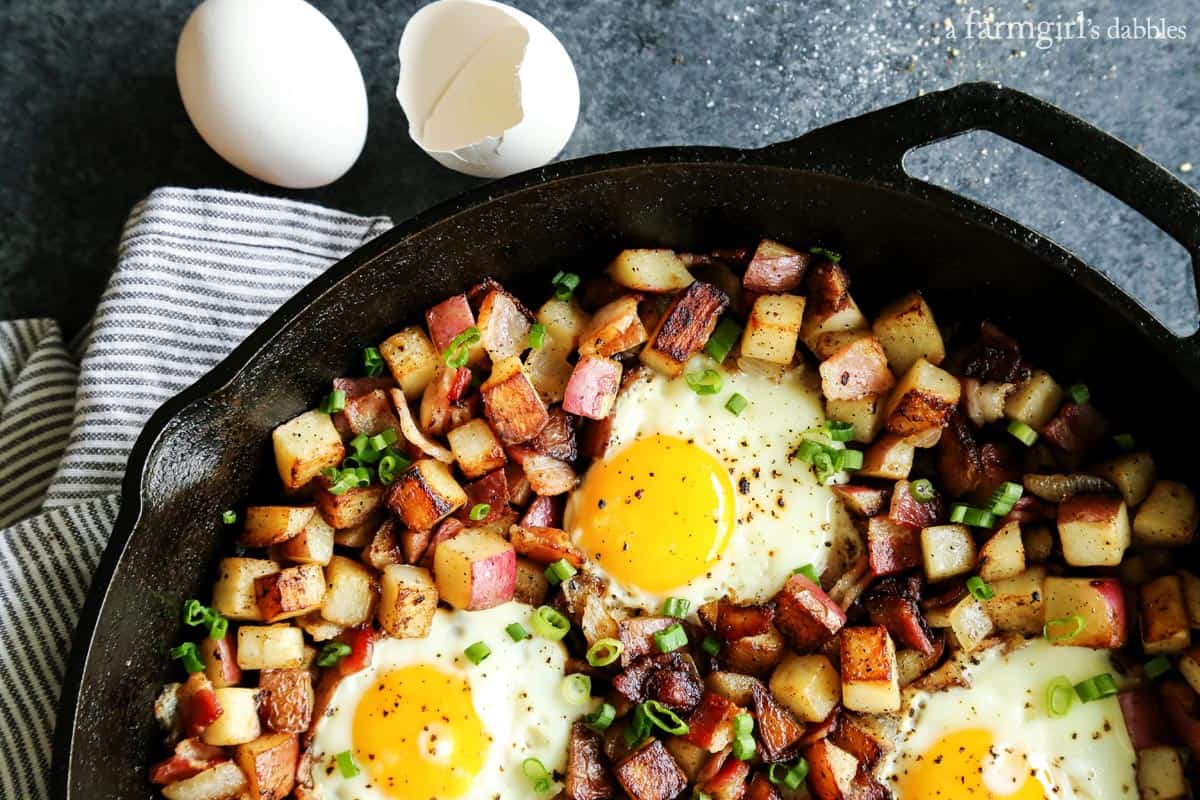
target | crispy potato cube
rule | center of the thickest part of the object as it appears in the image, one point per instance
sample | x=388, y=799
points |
x=754, y=655
x=476, y=448
x=319, y=628
x=831, y=771
x=1191, y=595
x=1019, y=602
x=1164, y=619
x=614, y=328
x=776, y=268
x=684, y=328
x=819, y=322
x=287, y=699
x=1160, y=774
x=856, y=371
x=733, y=686
x=425, y=494
x=970, y=622
x=270, y=647
x=922, y=401
x=312, y=545
x=503, y=326
x=773, y=327
x=1034, y=401
x=948, y=551
x=512, y=403
x=649, y=773
x=870, y=679
x=304, y=446
x=808, y=686
x=866, y=415
x=1167, y=517
x=238, y=722
x=531, y=583
x=1133, y=474
x=360, y=535
x=233, y=594
x=269, y=763
x=688, y=757
x=908, y=333
x=223, y=781
x=411, y=357
x=890, y=458
x=913, y=664
x=565, y=322
x=350, y=592
x=268, y=525
x=350, y=508
x=1099, y=601
x=220, y=662
x=1094, y=530
x=1003, y=555
x=386, y=547
x=475, y=570
x=290, y=592
x=408, y=600
x=644, y=270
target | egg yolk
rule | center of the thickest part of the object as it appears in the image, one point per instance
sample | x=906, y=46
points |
x=966, y=765
x=656, y=514
x=417, y=736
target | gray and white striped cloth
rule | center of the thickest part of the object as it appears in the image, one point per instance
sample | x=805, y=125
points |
x=197, y=270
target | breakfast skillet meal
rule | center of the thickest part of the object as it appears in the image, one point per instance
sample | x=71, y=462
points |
x=636, y=545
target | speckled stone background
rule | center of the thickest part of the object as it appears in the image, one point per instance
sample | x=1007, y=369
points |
x=91, y=119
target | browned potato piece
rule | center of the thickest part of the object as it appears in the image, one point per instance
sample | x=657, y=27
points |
x=1034, y=401
x=532, y=586
x=475, y=570
x=1165, y=624
x=970, y=623
x=267, y=525
x=425, y=494
x=290, y=592
x=948, y=551
x=407, y=602
x=360, y=535
x=1191, y=595
x=866, y=415
x=818, y=323
x=512, y=403
x=476, y=448
x=287, y=699
x=312, y=545
x=319, y=628
x=1132, y=473
x=350, y=508
x=1099, y=601
x=233, y=594
x=809, y=686
x=565, y=321
x=1167, y=517
x=684, y=328
x=1039, y=543
x=890, y=458
x=922, y=401
x=658, y=271
x=304, y=446
x=870, y=679
x=733, y=686
x=1003, y=555
x=350, y=592
x=1189, y=666
x=412, y=359
x=1160, y=774
x=270, y=647
x=221, y=782
x=1094, y=530
x=908, y=333
x=773, y=328
x=614, y=329
x=238, y=723
x=269, y=763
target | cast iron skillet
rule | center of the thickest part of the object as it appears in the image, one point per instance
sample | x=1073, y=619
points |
x=842, y=186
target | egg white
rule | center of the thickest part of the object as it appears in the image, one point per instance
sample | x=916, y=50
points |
x=516, y=692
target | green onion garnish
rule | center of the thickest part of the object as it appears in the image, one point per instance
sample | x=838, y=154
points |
x=565, y=284
x=1157, y=667
x=743, y=741
x=791, y=777
x=1079, y=393
x=1025, y=434
x=549, y=624
x=723, y=338
x=332, y=653
x=1059, y=697
x=828, y=461
x=229, y=516
x=218, y=627
x=477, y=652
x=975, y=517
x=537, y=336
x=333, y=402
x=1125, y=441
x=459, y=351
x=560, y=571
x=743, y=725
x=671, y=639
x=190, y=657
x=663, y=718
x=849, y=460
x=922, y=490
x=1096, y=688
x=604, y=652
x=1005, y=497
x=831, y=255
x=346, y=765
x=343, y=480
x=536, y=772
x=736, y=404
x=708, y=381
x=576, y=689
x=809, y=449
x=600, y=719
x=638, y=727
x=479, y=511
x=390, y=467
x=196, y=614
x=808, y=571
x=1073, y=623
x=711, y=645
x=978, y=589
x=676, y=607
x=516, y=631
x=839, y=431
x=372, y=362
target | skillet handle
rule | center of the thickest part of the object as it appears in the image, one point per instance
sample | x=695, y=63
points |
x=872, y=148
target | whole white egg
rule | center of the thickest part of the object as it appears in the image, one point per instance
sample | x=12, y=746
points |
x=273, y=88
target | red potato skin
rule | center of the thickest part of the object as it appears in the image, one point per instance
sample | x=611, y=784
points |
x=370, y=412
x=776, y=274
x=1113, y=592
x=821, y=780
x=499, y=575
x=910, y=512
x=414, y=544
x=902, y=618
x=448, y=319
x=491, y=490
x=587, y=778
x=858, y=370
x=191, y=757
x=1144, y=718
x=806, y=615
x=592, y=388
x=543, y=512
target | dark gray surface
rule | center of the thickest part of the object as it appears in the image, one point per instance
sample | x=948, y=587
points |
x=92, y=119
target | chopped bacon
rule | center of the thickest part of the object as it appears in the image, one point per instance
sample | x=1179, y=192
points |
x=556, y=440
x=503, y=325
x=587, y=779
x=362, y=648
x=637, y=636
x=828, y=287
x=903, y=620
x=999, y=463
x=729, y=782
x=1076, y=429
x=191, y=757
x=198, y=706
x=492, y=491
x=414, y=543
x=544, y=544
x=891, y=548
x=735, y=622
x=775, y=269
x=448, y=319
x=958, y=459
x=910, y=512
x=650, y=773
x=863, y=501
x=1179, y=701
x=822, y=729
x=710, y=727
x=995, y=357
x=438, y=401
x=543, y=512
x=806, y=615
x=677, y=689
x=548, y=476
x=1029, y=509
x=370, y=413
x=857, y=371
x=357, y=387
x=592, y=389
x=1144, y=717
x=778, y=730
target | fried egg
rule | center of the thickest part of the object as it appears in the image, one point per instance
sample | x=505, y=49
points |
x=997, y=740
x=424, y=723
x=696, y=502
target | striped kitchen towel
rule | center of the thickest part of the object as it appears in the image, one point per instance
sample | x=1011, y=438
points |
x=197, y=270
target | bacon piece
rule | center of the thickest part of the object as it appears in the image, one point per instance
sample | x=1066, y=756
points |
x=892, y=548
x=614, y=328
x=805, y=615
x=198, y=706
x=587, y=778
x=828, y=287
x=710, y=727
x=1029, y=509
x=778, y=731
x=902, y=618
x=490, y=490
x=1144, y=718
x=503, y=325
x=547, y=476
x=191, y=757
x=545, y=545
x=650, y=773
x=999, y=463
x=592, y=389
x=735, y=622
x=822, y=729
x=634, y=683
x=995, y=357
x=362, y=648
x=910, y=512
x=775, y=269
x=728, y=782
x=556, y=440
x=862, y=501
x=543, y=512
x=851, y=737
x=448, y=319
x=438, y=401
x=356, y=387
x=958, y=458
x=677, y=689
x=1076, y=429
x=637, y=635
x=684, y=327
x=414, y=543
x=857, y=371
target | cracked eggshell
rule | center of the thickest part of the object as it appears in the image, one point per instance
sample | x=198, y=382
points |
x=487, y=89
x=273, y=88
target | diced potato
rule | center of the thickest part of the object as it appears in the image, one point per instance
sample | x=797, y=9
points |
x=948, y=551
x=773, y=327
x=304, y=446
x=512, y=403
x=858, y=370
x=688, y=756
x=818, y=322
x=684, y=328
x=386, y=547
x=733, y=686
x=866, y=415
x=1160, y=774
x=476, y=448
x=922, y=401
x=645, y=270
x=970, y=623
x=407, y=602
x=614, y=328
x=475, y=570
x=290, y=592
x=754, y=655
x=1039, y=543
x=1003, y=555
x=220, y=662
x=425, y=494
x=832, y=771
x=833, y=341
x=287, y=699
x=564, y=321
x=1191, y=595
x=503, y=326
x=1164, y=619
x=809, y=686
x=238, y=722
x=269, y=763
x=350, y=508
x=1189, y=667
x=233, y=594
x=908, y=332
x=1035, y=401
x=312, y=545
x=412, y=359
x=350, y=592
x=549, y=370
x=360, y=535
x=1100, y=602
x=223, y=781
x=270, y=647
x=913, y=664
x=870, y=680
x=531, y=584
x=1018, y=602
x=890, y=457
x=1132, y=473
x=319, y=628
x=1094, y=530
x=267, y=525
x=1167, y=517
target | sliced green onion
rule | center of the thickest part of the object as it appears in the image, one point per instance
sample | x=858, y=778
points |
x=538, y=775
x=343, y=480
x=1157, y=667
x=664, y=718
x=604, y=652
x=218, y=626
x=676, y=607
x=1005, y=497
x=789, y=776
x=1125, y=441
x=743, y=725
x=708, y=381
x=1073, y=623
x=639, y=726
x=975, y=517
x=516, y=631
x=1079, y=393
x=333, y=402
x=194, y=613
x=477, y=652
x=744, y=748
x=1096, y=688
x=824, y=465
x=850, y=460
x=978, y=589
x=670, y=639
x=537, y=336
x=922, y=490
x=346, y=765
x=600, y=719
x=190, y=657
x=831, y=255
x=332, y=653
x=229, y=516
x=1059, y=697
x=390, y=467
x=549, y=624
x=372, y=362
x=723, y=338
x=736, y=404
x=560, y=571
x=383, y=440
x=576, y=689
x=459, y=351
x=808, y=450
x=1025, y=434
x=711, y=645
x=479, y=511
x=565, y=284
x=808, y=571
x=839, y=431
